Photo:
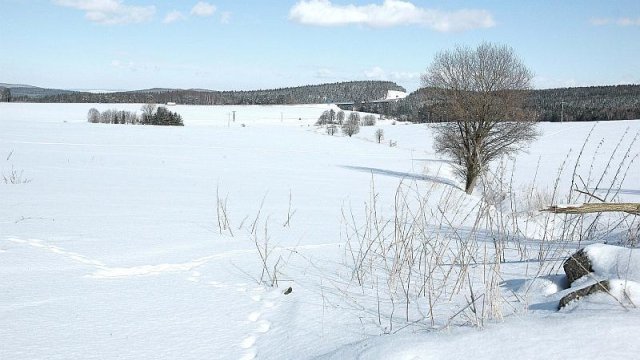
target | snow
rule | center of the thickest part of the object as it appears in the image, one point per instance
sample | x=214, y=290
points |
x=395, y=94
x=620, y=267
x=112, y=250
x=588, y=336
x=612, y=262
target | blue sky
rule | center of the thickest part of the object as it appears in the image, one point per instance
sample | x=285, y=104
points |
x=238, y=45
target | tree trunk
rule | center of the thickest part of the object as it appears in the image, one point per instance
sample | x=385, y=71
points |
x=630, y=208
x=471, y=180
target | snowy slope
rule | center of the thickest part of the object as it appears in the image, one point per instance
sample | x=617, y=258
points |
x=112, y=250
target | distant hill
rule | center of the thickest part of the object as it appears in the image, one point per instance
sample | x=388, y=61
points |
x=11, y=86
x=19, y=91
x=355, y=91
x=620, y=102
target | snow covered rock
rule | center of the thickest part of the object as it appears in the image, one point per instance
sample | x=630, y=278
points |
x=614, y=262
x=612, y=270
x=600, y=286
x=577, y=266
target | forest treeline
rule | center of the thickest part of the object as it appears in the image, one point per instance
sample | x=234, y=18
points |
x=310, y=94
x=620, y=102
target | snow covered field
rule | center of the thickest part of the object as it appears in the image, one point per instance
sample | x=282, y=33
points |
x=110, y=245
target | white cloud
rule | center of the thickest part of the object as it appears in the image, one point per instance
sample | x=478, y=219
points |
x=375, y=73
x=174, y=16
x=203, y=9
x=624, y=21
x=390, y=13
x=134, y=66
x=379, y=73
x=600, y=21
x=628, y=22
x=110, y=12
x=324, y=73
x=225, y=17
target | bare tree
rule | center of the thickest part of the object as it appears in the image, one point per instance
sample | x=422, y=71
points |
x=148, y=111
x=340, y=117
x=379, y=135
x=93, y=115
x=352, y=125
x=324, y=118
x=5, y=94
x=480, y=94
x=369, y=120
x=332, y=116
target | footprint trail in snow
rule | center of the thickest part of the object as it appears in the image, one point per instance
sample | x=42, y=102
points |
x=259, y=324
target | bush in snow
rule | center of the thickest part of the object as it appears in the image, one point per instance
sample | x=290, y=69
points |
x=327, y=117
x=166, y=118
x=148, y=110
x=368, y=120
x=112, y=117
x=5, y=94
x=93, y=116
x=351, y=126
x=161, y=116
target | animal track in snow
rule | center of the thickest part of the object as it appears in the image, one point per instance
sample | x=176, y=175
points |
x=254, y=316
x=195, y=276
x=260, y=325
x=248, y=342
x=59, y=251
x=269, y=304
x=217, y=284
x=106, y=272
x=250, y=355
x=263, y=326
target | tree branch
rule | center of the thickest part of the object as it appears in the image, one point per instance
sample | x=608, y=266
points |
x=630, y=208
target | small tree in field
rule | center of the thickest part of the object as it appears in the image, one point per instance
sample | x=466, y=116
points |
x=480, y=93
x=93, y=116
x=148, y=112
x=5, y=94
x=352, y=125
x=368, y=120
x=332, y=116
x=379, y=135
x=340, y=117
x=165, y=117
x=323, y=119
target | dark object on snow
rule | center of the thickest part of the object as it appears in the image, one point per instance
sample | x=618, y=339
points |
x=288, y=291
x=577, y=266
x=591, y=289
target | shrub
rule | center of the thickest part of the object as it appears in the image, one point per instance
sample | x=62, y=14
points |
x=161, y=116
x=166, y=118
x=351, y=126
x=324, y=119
x=369, y=120
x=113, y=117
x=93, y=116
